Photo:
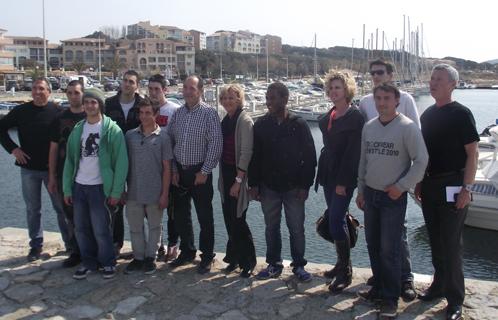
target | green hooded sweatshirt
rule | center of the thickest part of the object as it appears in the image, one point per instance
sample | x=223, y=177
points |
x=113, y=158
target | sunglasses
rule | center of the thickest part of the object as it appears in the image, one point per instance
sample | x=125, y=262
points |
x=377, y=72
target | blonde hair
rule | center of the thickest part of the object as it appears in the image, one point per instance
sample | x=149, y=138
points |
x=235, y=88
x=347, y=81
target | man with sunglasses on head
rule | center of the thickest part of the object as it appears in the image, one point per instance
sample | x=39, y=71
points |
x=382, y=72
x=123, y=109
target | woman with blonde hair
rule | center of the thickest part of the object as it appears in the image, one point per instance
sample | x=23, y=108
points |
x=338, y=168
x=237, y=152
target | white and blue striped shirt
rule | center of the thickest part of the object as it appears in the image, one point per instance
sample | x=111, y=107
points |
x=196, y=137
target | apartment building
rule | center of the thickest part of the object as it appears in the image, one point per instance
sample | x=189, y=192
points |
x=244, y=42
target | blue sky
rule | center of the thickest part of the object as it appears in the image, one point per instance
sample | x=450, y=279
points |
x=451, y=28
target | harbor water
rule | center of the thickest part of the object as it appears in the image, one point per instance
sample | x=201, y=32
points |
x=480, y=258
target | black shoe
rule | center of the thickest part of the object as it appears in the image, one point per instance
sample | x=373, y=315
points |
x=34, y=254
x=454, y=312
x=81, y=273
x=205, y=266
x=180, y=261
x=134, y=266
x=372, y=295
x=230, y=268
x=72, y=261
x=245, y=273
x=430, y=294
x=371, y=281
x=408, y=292
x=150, y=266
x=388, y=309
x=332, y=273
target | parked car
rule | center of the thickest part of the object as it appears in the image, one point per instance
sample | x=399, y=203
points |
x=54, y=83
x=111, y=85
x=27, y=84
x=172, y=82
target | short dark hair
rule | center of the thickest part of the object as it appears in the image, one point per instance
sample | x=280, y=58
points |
x=74, y=83
x=280, y=88
x=381, y=62
x=132, y=73
x=200, y=83
x=387, y=87
x=145, y=102
x=43, y=79
x=159, y=79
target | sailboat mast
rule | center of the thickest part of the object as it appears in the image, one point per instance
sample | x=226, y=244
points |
x=314, y=61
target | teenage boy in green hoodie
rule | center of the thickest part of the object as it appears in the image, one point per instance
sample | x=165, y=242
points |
x=94, y=177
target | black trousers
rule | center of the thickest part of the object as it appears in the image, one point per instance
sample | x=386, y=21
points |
x=445, y=225
x=240, y=246
x=203, y=197
x=118, y=227
x=172, y=233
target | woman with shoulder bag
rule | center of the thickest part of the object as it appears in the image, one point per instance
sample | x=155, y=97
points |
x=338, y=169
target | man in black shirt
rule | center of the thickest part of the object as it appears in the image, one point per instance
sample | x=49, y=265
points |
x=281, y=172
x=123, y=108
x=452, y=140
x=59, y=132
x=33, y=120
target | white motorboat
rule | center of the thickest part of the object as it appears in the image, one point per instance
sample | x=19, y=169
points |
x=483, y=210
x=311, y=113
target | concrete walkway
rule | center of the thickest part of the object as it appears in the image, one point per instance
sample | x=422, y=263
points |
x=42, y=290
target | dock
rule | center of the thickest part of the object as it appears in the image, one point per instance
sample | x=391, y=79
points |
x=43, y=289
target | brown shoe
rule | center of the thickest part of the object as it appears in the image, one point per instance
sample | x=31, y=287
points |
x=172, y=253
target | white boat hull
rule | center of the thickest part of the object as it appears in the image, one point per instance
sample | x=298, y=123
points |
x=482, y=217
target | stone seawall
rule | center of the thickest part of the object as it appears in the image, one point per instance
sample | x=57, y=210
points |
x=44, y=290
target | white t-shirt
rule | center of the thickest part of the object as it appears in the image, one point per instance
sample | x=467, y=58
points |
x=89, y=168
x=126, y=107
x=406, y=107
x=165, y=113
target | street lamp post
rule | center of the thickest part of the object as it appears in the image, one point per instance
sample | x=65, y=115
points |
x=286, y=67
x=267, y=75
x=44, y=42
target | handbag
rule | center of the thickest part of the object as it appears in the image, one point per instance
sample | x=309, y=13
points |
x=322, y=228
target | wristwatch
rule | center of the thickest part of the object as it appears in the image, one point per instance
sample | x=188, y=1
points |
x=238, y=180
x=468, y=187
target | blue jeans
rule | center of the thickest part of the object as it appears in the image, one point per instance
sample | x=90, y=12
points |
x=92, y=221
x=31, y=183
x=271, y=204
x=384, y=219
x=337, y=206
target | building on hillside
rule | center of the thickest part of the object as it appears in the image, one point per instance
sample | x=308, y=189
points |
x=87, y=51
x=8, y=74
x=274, y=44
x=169, y=57
x=244, y=42
x=199, y=39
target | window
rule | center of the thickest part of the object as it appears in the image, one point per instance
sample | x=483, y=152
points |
x=69, y=55
x=161, y=59
x=152, y=59
x=89, y=55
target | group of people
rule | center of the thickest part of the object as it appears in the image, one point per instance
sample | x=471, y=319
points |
x=148, y=155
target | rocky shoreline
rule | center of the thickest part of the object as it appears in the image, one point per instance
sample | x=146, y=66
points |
x=44, y=290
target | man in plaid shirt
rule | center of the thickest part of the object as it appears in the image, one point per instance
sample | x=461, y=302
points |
x=197, y=142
